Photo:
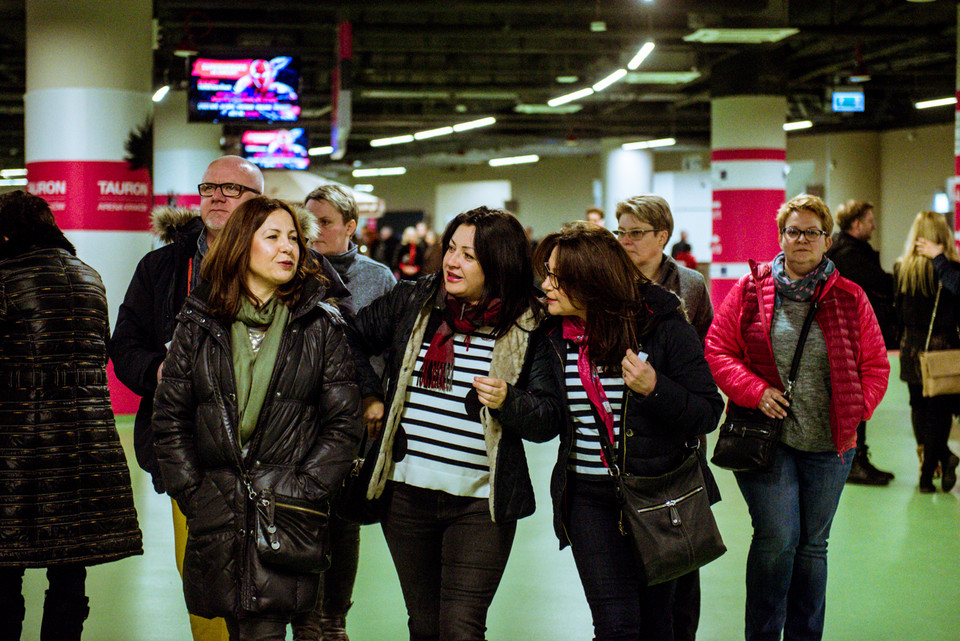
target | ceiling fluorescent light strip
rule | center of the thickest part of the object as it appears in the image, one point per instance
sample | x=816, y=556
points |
x=474, y=124
x=386, y=171
x=939, y=102
x=13, y=182
x=433, y=133
x=320, y=151
x=649, y=144
x=513, y=160
x=799, y=124
x=641, y=55
x=395, y=140
x=609, y=80
x=13, y=173
x=161, y=93
x=570, y=97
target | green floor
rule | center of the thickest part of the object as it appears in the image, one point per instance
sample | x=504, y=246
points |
x=894, y=557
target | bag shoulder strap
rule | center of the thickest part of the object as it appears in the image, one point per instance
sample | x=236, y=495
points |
x=936, y=304
x=798, y=352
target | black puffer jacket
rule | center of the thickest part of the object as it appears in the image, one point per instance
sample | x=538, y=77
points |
x=684, y=404
x=65, y=492
x=914, y=312
x=398, y=323
x=307, y=435
x=148, y=315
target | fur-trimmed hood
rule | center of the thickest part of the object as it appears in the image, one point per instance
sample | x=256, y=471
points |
x=166, y=221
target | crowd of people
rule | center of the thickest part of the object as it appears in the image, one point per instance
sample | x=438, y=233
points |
x=271, y=351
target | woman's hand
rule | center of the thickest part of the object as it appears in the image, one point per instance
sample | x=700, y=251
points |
x=373, y=416
x=773, y=403
x=638, y=374
x=928, y=248
x=492, y=392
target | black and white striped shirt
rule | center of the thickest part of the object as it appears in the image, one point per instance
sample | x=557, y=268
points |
x=585, y=456
x=446, y=450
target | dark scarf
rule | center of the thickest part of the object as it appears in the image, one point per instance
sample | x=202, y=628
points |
x=800, y=290
x=437, y=372
x=574, y=330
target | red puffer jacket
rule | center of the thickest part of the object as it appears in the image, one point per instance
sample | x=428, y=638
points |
x=741, y=358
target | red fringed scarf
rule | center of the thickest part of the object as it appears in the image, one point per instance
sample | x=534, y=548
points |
x=437, y=372
x=574, y=330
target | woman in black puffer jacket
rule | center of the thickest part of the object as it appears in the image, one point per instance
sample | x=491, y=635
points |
x=631, y=371
x=257, y=422
x=65, y=497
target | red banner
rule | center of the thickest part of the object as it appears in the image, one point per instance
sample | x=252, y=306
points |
x=93, y=195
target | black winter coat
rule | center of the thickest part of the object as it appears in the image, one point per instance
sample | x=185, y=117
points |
x=306, y=438
x=856, y=260
x=148, y=315
x=65, y=493
x=386, y=326
x=914, y=312
x=658, y=428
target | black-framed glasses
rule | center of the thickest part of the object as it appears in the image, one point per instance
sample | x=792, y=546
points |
x=229, y=190
x=636, y=235
x=550, y=276
x=812, y=235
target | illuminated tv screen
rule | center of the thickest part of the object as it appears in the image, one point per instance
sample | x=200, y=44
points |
x=254, y=89
x=276, y=149
x=848, y=101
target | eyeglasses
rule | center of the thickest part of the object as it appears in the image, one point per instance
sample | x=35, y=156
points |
x=550, y=276
x=229, y=190
x=636, y=235
x=812, y=235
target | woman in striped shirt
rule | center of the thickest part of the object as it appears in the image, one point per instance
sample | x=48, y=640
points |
x=631, y=369
x=466, y=371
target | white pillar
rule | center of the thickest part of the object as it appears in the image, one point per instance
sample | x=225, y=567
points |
x=626, y=173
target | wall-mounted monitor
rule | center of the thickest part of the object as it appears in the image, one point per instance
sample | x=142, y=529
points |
x=255, y=89
x=276, y=149
x=847, y=100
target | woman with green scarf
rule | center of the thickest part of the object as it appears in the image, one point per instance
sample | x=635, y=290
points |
x=257, y=422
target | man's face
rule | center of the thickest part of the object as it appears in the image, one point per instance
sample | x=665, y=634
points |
x=216, y=208
x=863, y=227
x=334, y=237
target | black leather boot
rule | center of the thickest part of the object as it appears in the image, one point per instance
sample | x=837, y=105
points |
x=63, y=621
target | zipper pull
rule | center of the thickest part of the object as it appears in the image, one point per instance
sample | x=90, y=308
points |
x=674, y=513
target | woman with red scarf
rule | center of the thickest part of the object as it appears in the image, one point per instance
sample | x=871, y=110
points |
x=467, y=371
x=632, y=371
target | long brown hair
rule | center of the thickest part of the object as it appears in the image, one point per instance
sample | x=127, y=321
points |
x=597, y=274
x=226, y=266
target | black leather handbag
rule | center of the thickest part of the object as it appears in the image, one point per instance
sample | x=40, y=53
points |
x=747, y=438
x=668, y=517
x=291, y=533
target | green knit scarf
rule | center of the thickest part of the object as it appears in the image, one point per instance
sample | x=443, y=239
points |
x=252, y=371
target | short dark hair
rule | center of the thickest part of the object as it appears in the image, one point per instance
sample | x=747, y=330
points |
x=504, y=256
x=339, y=198
x=26, y=221
x=851, y=211
x=598, y=275
x=225, y=267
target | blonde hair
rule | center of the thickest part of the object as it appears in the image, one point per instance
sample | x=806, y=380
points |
x=916, y=271
x=805, y=202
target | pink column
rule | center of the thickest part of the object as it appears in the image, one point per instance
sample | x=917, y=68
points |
x=88, y=87
x=748, y=159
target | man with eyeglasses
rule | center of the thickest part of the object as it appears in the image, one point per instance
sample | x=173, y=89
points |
x=146, y=319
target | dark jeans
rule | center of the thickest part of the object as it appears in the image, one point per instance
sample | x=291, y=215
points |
x=449, y=557
x=260, y=628
x=792, y=506
x=932, y=418
x=623, y=606
x=64, y=607
x=336, y=586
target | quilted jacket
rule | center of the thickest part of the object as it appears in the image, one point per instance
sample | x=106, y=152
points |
x=397, y=324
x=658, y=427
x=65, y=493
x=741, y=355
x=307, y=436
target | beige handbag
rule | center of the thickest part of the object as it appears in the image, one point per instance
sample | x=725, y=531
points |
x=940, y=369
